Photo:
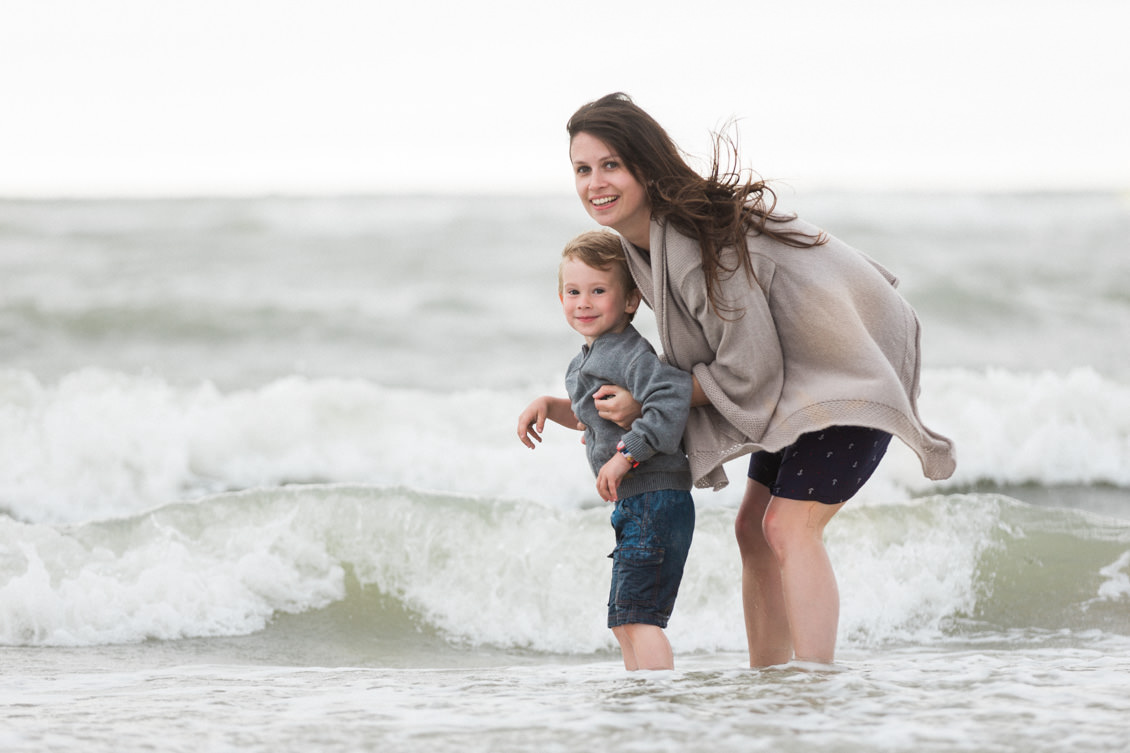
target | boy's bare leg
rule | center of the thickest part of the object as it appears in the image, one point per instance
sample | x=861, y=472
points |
x=621, y=633
x=649, y=646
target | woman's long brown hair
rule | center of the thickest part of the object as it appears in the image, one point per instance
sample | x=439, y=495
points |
x=718, y=210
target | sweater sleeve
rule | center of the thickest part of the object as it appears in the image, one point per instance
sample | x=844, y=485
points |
x=664, y=393
x=745, y=379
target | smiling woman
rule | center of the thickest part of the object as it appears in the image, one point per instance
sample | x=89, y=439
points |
x=611, y=193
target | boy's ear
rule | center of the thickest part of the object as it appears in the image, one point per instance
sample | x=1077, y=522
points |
x=633, y=302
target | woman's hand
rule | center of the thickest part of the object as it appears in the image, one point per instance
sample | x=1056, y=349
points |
x=617, y=405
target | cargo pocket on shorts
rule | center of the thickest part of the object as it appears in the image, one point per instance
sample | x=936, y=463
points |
x=638, y=572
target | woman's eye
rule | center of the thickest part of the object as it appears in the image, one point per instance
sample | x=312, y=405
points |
x=611, y=165
x=583, y=170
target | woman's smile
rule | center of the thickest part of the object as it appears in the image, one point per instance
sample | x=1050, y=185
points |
x=610, y=192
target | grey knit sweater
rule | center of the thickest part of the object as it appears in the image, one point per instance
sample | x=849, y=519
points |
x=821, y=338
x=655, y=439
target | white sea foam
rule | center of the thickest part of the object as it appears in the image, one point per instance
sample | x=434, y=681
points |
x=516, y=575
x=1116, y=587
x=1016, y=428
x=100, y=444
x=918, y=700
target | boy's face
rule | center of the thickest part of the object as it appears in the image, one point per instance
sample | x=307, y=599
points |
x=594, y=300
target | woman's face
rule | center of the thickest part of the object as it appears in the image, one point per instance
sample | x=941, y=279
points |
x=610, y=193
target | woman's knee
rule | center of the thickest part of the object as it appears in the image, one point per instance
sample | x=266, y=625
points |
x=747, y=527
x=789, y=523
x=748, y=522
x=778, y=529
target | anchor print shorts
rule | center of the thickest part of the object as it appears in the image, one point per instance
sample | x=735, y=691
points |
x=827, y=466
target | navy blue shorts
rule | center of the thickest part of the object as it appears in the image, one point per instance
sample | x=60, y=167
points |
x=653, y=537
x=827, y=466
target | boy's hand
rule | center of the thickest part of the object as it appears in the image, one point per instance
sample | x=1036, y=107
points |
x=531, y=422
x=608, y=480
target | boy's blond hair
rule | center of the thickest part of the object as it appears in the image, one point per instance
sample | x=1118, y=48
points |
x=601, y=250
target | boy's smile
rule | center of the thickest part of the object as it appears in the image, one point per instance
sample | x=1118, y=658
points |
x=594, y=300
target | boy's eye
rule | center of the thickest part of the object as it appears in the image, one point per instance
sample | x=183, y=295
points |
x=598, y=291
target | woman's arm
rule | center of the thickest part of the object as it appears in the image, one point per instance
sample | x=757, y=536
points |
x=616, y=404
x=531, y=422
x=698, y=397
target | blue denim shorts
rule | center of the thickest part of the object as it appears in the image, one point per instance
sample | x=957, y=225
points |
x=653, y=536
x=827, y=466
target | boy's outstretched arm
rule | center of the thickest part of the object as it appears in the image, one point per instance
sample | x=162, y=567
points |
x=531, y=422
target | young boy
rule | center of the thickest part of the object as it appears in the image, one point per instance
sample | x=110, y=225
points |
x=643, y=470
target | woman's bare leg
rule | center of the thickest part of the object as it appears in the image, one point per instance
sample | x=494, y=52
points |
x=766, y=618
x=794, y=530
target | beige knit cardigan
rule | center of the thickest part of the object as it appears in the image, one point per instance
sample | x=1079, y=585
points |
x=821, y=338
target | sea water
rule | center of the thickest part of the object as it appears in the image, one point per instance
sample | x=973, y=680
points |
x=261, y=490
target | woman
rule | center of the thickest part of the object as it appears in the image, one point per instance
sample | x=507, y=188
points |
x=802, y=353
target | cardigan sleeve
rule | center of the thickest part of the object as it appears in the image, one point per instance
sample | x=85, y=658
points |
x=745, y=375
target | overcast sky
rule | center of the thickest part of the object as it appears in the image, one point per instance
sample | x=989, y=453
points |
x=144, y=97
